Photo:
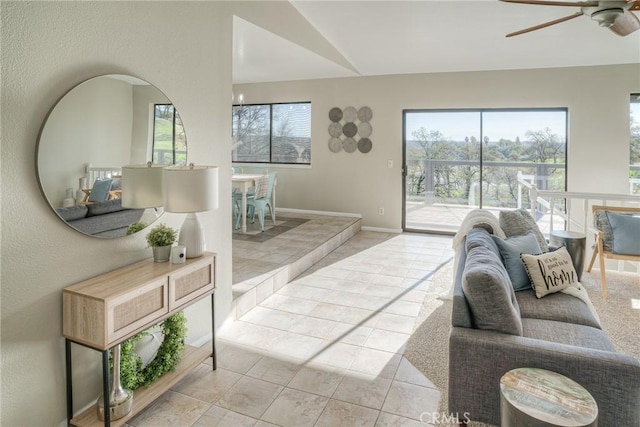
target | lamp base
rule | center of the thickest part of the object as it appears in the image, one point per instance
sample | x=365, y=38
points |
x=192, y=236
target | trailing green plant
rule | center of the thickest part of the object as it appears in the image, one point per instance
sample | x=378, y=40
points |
x=162, y=235
x=135, y=227
x=132, y=375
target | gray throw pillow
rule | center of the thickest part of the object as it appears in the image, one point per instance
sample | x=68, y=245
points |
x=626, y=233
x=488, y=291
x=479, y=237
x=510, y=250
x=520, y=221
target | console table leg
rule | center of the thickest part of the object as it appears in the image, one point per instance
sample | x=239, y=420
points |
x=214, y=357
x=67, y=352
x=105, y=388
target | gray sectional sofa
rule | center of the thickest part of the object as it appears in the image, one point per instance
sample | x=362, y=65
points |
x=101, y=219
x=559, y=333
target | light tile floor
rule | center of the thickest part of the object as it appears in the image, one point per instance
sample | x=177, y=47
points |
x=324, y=350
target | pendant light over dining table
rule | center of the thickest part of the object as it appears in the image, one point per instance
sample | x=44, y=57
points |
x=191, y=189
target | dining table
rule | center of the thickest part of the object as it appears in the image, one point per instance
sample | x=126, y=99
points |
x=243, y=182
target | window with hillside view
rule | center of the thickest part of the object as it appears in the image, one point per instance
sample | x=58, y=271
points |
x=169, y=139
x=634, y=145
x=463, y=159
x=272, y=133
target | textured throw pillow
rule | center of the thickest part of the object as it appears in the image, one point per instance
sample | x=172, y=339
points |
x=520, y=221
x=488, y=291
x=626, y=233
x=510, y=250
x=100, y=190
x=601, y=222
x=550, y=272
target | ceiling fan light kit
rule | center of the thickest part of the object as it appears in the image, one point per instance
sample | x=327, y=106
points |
x=607, y=17
x=616, y=15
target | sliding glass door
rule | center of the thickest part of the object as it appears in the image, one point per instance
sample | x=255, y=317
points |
x=458, y=160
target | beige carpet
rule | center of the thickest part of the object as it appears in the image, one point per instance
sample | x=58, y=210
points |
x=427, y=348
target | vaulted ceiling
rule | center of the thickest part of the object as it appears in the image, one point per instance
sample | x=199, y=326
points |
x=324, y=39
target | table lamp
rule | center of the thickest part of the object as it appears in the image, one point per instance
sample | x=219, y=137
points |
x=142, y=186
x=191, y=189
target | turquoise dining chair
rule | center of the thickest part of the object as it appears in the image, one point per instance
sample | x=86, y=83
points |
x=260, y=201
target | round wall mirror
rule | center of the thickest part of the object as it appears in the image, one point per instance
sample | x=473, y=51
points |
x=95, y=129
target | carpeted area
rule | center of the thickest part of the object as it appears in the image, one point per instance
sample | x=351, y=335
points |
x=427, y=348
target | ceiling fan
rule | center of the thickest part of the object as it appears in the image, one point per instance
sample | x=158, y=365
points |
x=613, y=14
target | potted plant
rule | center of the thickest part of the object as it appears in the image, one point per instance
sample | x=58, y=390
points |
x=135, y=227
x=161, y=238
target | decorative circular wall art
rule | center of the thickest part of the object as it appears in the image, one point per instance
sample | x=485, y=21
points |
x=350, y=129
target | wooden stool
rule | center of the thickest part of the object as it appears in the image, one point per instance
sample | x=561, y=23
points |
x=537, y=397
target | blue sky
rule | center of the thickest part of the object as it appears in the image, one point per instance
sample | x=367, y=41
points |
x=496, y=124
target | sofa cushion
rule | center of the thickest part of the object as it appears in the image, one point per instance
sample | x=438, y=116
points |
x=550, y=272
x=510, y=250
x=488, y=291
x=480, y=237
x=566, y=333
x=109, y=225
x=102, y=208
x=72, y=212
x=558, y=306
x=626, y=233
x=520, y=221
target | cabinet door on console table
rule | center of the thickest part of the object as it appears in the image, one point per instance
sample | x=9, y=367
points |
x=109, y=308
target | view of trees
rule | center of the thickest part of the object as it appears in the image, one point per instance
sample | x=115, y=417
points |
x=634, y=153
x=168, y=135
x=271, y=133
x=447, y=171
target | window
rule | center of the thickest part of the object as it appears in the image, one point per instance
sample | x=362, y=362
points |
x=169, y=139
x=634, y=145
x=463, y=159
x=272, y=133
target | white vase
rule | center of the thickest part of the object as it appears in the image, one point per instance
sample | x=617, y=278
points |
x=69, y=200
x=82, y=183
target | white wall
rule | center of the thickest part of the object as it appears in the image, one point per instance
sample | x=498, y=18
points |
x=91, y=124
x=598, y=150
x=144, y=98
x=48, y=48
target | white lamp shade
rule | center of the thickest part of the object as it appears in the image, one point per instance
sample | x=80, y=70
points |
x=190, y=189
x=142, y=186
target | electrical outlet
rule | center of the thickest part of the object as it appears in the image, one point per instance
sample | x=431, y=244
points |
x=380, y=211
x=390, y=164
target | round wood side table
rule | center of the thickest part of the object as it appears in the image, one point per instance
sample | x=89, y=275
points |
x=535, y=397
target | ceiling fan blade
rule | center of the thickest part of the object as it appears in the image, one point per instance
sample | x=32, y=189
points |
x=555, y=3
x=625, y=24
x=635, y=6
x=546, y=24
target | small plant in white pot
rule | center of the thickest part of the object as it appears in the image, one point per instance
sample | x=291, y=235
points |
x=161, y=238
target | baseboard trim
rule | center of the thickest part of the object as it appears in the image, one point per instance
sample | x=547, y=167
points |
x=382, y=229
x=202, y=340
x=310, y=212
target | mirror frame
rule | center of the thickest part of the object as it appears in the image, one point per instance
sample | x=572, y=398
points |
x=73, y=101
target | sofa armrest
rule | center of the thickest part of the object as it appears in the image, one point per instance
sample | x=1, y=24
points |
x=478, y=359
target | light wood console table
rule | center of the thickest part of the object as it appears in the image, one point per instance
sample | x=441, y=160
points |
x=105, y=310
